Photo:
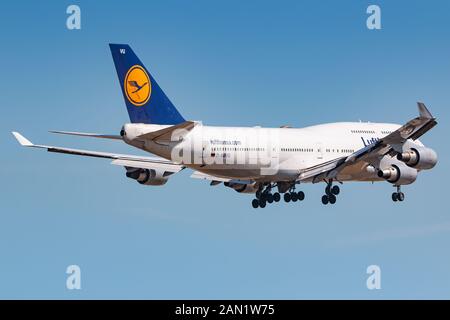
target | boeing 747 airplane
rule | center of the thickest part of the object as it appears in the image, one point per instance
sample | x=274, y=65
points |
x=265, y=162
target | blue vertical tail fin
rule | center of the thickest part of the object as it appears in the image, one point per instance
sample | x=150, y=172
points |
x=146, y=102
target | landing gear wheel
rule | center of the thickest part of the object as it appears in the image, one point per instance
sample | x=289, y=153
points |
x=276, y=197
x=332, y=198
x=262, y=203
x=258, y=194
x=255, y=203
x=287, y=197
x=395, y=196
x=301, y=195
x=269, y=198
x=328, y=190
x=335, y=190
x=325, y=199
x=294, y=197
x=400, y=196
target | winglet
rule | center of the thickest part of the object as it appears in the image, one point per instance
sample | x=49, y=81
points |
x=22, y=140
x=423, y=111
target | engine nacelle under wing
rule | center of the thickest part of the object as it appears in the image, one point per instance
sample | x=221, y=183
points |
x=149, y=177
x=419, y=157
x=398, y=174
x=242, y=188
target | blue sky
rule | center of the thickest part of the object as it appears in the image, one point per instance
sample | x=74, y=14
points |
x=225, y=63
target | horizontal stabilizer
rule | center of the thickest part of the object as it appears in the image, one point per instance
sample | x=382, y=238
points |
x=90, y=135
x=125, y=158
x=172, y=133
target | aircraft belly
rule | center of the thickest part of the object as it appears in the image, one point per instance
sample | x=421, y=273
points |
x=227, y=172
x=246, y=172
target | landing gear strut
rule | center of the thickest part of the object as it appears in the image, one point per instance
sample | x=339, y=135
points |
x=293, y=196
x=330, y=193
x=265, y=196
x=399, y=195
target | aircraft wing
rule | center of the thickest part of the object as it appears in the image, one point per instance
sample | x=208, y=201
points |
x=218, y=180
x=390, y=144
x=214, y=180
x=118, y=159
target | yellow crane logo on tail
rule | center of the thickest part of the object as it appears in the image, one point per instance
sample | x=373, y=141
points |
x=137, y=86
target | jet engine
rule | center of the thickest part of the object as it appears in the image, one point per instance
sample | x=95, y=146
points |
x=149, y=177
x=242, y=188
x=420, y=158
x=398, y=174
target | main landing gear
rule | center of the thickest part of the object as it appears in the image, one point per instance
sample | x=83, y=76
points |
x=263, y=197
x=294, y=196
x=330, y=193
x=399, y=195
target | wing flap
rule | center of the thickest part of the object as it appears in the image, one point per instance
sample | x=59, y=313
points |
x=217, y=180
x=319, y=170
x=204, y=176
x=148, y=165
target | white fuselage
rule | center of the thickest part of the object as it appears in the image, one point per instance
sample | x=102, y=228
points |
x=265, y=154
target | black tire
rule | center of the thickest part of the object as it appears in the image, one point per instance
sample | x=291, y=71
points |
x=401, y=196
x=294, y=197
x=395, y=197
x=327, y=190
x=276, y=197
x=325, y=199
x=262, y=203
x=287, y=197
x=332, y=198
x=269, y=198
x=258, y=194
x=301, y=195
x=255, y=203
x=335, y=190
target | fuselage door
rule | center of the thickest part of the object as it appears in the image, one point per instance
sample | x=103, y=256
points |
x=207, y=152
x=319, y=150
